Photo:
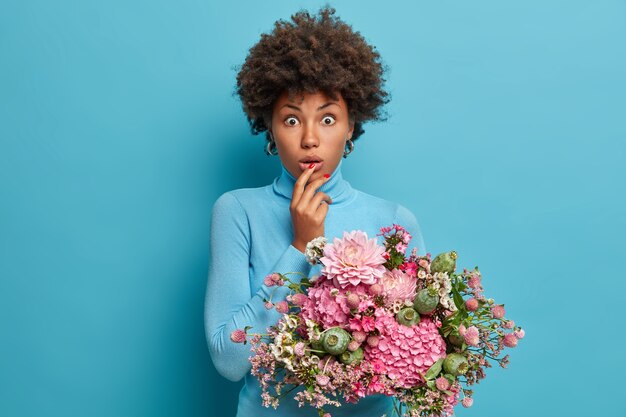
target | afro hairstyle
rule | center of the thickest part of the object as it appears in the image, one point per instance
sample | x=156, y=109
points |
x=312, y=53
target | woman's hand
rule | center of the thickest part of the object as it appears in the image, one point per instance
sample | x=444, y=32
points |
x=308, y=209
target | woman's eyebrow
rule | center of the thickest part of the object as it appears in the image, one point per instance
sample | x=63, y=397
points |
x=323, y=106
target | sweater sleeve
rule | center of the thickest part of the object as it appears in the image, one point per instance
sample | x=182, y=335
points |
x=406, y=219
x=229, y=301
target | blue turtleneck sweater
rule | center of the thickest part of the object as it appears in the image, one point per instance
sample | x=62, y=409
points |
x=251, y=235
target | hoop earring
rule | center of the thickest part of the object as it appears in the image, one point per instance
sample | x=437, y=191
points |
x=271, y=147
x=349, y=148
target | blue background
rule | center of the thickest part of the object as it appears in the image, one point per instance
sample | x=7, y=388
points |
x=119, y=129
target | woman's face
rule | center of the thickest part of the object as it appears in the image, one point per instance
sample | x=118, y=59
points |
x=311, y=127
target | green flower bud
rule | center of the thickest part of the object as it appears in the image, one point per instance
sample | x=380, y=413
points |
x=455, y=364
x=425, y=302
x=349, y=358
x=444, y=262
x=408, y=317
x=317, y=345
x=335, y=340
x=456, y=339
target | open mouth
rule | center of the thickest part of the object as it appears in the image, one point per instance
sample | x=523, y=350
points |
x=311, y=159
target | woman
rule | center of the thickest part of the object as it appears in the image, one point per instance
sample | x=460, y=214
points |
x=309, y=85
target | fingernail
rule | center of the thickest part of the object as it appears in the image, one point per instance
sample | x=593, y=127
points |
x=312, y=165
x=327, y=175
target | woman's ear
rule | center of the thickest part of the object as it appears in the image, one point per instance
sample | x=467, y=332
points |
x=351, y=130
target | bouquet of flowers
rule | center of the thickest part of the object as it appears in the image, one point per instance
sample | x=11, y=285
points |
x=376, y=321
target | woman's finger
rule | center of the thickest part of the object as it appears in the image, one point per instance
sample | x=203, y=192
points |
x=311, y=190
x=320, y=198
x=322, y=211
x=298, y=187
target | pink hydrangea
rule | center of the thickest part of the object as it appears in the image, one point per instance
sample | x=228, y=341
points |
x=364, y=323
x=324, y=308
x=398, y=286
x=354, y=259
x=404, y=350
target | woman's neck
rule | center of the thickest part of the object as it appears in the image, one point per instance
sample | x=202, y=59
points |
x=336, y=187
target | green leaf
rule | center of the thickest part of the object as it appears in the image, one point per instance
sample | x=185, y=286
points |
x=458, y=300
x=434, y=370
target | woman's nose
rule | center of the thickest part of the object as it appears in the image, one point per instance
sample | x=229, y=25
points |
x=309, y=136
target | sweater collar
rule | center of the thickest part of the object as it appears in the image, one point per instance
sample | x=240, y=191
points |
x=336, y=187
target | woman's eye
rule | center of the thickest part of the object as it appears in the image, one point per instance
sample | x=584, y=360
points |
x=328, y=120
x=291, y=121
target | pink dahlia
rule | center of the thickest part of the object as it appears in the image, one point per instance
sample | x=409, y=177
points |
x=398, y=286
x=404, y=351
x=354, y=259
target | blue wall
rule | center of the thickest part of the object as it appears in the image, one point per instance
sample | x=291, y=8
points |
x=118, y=130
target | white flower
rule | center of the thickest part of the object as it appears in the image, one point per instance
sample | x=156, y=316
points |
x=315, y=249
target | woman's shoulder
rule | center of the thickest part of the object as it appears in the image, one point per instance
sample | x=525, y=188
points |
x=401, y=213
x=243, y=197
x=378, y=202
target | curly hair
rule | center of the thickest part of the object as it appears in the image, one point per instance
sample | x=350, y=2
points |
x=314, y=53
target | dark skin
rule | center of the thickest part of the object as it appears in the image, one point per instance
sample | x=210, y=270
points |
x=312, y=124
x=307, y=210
